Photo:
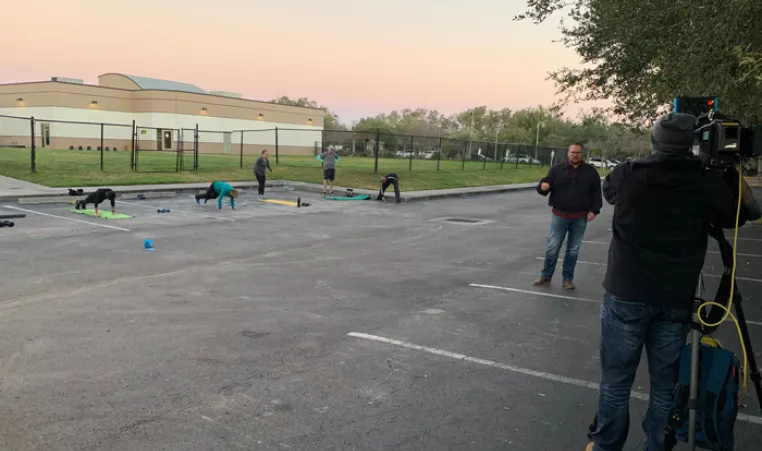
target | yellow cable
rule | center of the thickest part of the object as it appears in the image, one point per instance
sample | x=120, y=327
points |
x=732, y=290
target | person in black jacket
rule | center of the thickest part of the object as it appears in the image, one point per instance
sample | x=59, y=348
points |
x=664, y=207
x=575, y=195
x=97, y=197
x=390, y=179
x=260, y=165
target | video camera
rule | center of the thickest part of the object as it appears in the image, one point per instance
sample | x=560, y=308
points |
x=721, y=141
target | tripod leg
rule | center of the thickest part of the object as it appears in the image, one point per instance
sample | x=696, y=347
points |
x=694, y=383
x=754, y=370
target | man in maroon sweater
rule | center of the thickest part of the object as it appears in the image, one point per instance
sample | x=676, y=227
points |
x=575, y=195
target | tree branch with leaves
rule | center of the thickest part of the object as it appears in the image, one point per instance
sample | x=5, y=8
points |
x=642, y=54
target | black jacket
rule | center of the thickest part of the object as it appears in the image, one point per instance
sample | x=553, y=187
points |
x=662, y=215
x=573, y=191
x=100, y=195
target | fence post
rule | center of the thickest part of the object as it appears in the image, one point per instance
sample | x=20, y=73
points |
x=412, y=146
x=195, y=148
x=465, y=147
x=484, y=162
x=439, y=152
x=502, y=160
x=132, y=147
x=101, y=147
x=276, y=144
x=33, y=154
x=378, y=150
x=242, y=149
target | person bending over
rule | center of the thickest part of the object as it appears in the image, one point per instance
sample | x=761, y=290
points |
x=664, y=207
x=390, y=179
x=329, y=160
x=97, y=197
x=218, y=190
x=260, y=166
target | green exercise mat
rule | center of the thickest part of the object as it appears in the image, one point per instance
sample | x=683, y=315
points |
x=105, y=214
x=357, y=197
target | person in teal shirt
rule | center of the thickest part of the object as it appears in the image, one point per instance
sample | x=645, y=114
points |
x=218, y=190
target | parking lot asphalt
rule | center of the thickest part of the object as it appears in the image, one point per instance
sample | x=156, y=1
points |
x=356, y=325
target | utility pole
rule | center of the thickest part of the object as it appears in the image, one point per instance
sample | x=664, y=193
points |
x=537, y=141
x=470, y=130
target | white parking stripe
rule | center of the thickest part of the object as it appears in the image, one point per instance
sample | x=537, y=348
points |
x=67, y=219
x=515, y=369
x=713, y=276
x=560, y=296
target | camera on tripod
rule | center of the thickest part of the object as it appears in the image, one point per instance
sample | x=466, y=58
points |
x=721, y=141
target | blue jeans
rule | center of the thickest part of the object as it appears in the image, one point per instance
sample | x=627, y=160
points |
x=625, y=328
x=559, y=227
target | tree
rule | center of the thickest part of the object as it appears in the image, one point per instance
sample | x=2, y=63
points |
x=330, y=120
x=643, y=54
x=751, y=63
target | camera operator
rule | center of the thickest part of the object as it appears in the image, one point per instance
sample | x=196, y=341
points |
x=664, y=205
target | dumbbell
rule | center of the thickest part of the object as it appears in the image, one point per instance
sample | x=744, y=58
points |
x=6, y=224
x=162, y=210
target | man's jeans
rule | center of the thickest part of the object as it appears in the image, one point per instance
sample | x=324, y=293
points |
x=625, y=328
x=559, y=227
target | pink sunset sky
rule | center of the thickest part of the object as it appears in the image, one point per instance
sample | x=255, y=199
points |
x=357, y=57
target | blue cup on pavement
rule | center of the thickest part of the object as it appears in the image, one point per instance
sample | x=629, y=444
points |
x=148, y=244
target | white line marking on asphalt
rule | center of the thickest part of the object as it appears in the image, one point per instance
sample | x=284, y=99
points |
x=559, y=296
x=739, y=239
x=221, y=218
x=739, y=254
x=713, y=276
x=580, y=261
x=518, y=290
x=67, y=219
x=515, y=369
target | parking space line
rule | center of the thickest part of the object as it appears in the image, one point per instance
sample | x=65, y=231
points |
x=519, y=290
x=179, y=211
x=713, y=276
x=739, y=238
x=739, y=254
x=515, y=369
x=560, y=296
x=67, y=219
x=580, y=261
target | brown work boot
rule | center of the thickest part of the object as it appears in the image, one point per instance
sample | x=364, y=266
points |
x=568, y=284
x=542, y=281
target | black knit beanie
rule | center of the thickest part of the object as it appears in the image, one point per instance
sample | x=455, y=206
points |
x=672, y=134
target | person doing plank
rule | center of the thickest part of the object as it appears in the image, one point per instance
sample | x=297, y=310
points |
x=218, y=190
x=97, y=197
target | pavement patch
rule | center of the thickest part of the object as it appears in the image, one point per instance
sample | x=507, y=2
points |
x=463, y=221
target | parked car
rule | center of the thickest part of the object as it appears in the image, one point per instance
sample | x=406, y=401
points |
x=521, y=158
x=601, y=164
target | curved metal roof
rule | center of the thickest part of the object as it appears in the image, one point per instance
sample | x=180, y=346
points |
x=164, y=85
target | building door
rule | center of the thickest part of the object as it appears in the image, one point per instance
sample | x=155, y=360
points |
x=158, y=139
x=44, y=134
x=227, y=140
x=167, y=139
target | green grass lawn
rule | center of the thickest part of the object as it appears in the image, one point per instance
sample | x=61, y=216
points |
x=65, y=168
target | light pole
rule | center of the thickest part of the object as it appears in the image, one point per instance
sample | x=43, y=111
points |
x=537, y=141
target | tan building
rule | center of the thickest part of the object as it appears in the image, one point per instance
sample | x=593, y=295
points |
x=68, y=114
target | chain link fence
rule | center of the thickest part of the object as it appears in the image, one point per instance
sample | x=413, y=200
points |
x=41, y=144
